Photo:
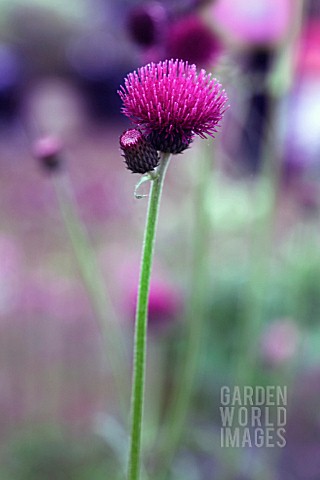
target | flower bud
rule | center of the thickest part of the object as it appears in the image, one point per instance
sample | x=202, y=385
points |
x=139, y=155
x=48, y=151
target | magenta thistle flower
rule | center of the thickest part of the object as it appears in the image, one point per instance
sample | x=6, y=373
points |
x=172, y=103
x=139, y=155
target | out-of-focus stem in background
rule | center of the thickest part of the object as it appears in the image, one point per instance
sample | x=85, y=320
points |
x=96, y=288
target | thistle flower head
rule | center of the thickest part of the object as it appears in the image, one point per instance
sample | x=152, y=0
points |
x=139, y=155
x=172, y=103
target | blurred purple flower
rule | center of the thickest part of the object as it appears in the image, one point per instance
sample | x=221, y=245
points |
x=147, y=23
x=192, y=40
x=171, y=103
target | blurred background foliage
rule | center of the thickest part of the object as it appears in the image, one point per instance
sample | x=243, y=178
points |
x=61, y=64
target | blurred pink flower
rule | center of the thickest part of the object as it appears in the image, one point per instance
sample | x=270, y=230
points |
x=253, y=21
x=308, y=51
x=165, y=303
x=165, y=299
x=280, y=341
x=192, y=40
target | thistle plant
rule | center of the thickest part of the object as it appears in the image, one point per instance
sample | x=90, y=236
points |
x=169, y=103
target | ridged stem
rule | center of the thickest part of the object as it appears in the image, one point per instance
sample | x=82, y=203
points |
x=140, y=341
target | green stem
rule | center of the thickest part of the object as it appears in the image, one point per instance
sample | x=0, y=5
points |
x=140, y=342
x=95, y=287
